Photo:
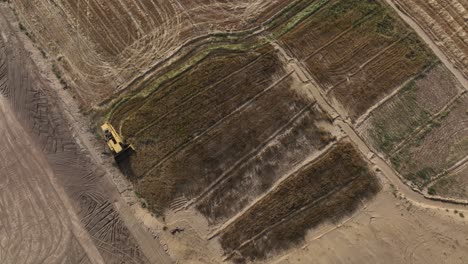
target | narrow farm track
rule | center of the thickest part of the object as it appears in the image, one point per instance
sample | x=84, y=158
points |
x=60, y=206
x=431, y=43
x=332, y=109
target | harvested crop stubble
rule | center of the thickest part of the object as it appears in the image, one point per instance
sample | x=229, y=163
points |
x=440, y=145
x=368, y=53
x=324, y=190
x=410, y=109
x=454, y=185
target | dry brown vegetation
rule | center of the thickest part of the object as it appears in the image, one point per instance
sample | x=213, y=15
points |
x=421, y=128
x=259, y=172
x=412, y=107
x=103, y=45
x=437, y=147
x=202, y=126
x=444, y=21
x=212, y=95
x=454, y=185
x=324, y=190
x=358, y=51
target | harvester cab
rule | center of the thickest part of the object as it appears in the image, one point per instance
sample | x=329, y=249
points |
x=116, y=144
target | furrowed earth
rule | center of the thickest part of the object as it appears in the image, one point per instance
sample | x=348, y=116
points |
x=307, y=131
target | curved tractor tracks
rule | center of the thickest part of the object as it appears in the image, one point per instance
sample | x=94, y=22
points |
x=56, y=204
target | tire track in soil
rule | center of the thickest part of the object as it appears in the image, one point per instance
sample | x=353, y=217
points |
x=81, y=209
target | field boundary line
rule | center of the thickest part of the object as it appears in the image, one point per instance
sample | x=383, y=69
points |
x=394, y=93
x=152, y=123
x=175, y=54
x=341, y=34
x=309, y=160
x=415, y=25
x=226, y=175
x=219, y=122
x=364, y=64
x=461, y=164
x=293, y=214
x=417, y=131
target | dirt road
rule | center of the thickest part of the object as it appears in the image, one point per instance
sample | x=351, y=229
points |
x=56, y=205
x=432, y=45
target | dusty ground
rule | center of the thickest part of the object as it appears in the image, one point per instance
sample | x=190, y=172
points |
x=387, y=230
x=230, y=128
x=110, y=43
x=38, y=222
x=55, y=198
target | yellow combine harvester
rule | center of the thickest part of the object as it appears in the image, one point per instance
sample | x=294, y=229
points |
x=115, y=142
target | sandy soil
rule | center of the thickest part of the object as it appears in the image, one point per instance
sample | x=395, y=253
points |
x=387, y=230
x=58, y=199
x=38, y=222
x=57, y=205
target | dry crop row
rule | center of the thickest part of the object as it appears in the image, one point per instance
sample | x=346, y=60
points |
x=324, y=190
x=358, y=53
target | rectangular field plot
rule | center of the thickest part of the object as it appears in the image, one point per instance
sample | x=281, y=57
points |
x=216, y=125
x=324, y=190
x=272, y=160
x=437, y=147
x=358, y=51
x=410, y=109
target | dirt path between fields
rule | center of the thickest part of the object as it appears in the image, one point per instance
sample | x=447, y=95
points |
x=40, y=223
x=432, y=45
x=335, y=111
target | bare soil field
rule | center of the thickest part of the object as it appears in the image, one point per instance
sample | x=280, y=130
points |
x=388, y=230
x=358, y=51
x=444, y=21
x=102, y=45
